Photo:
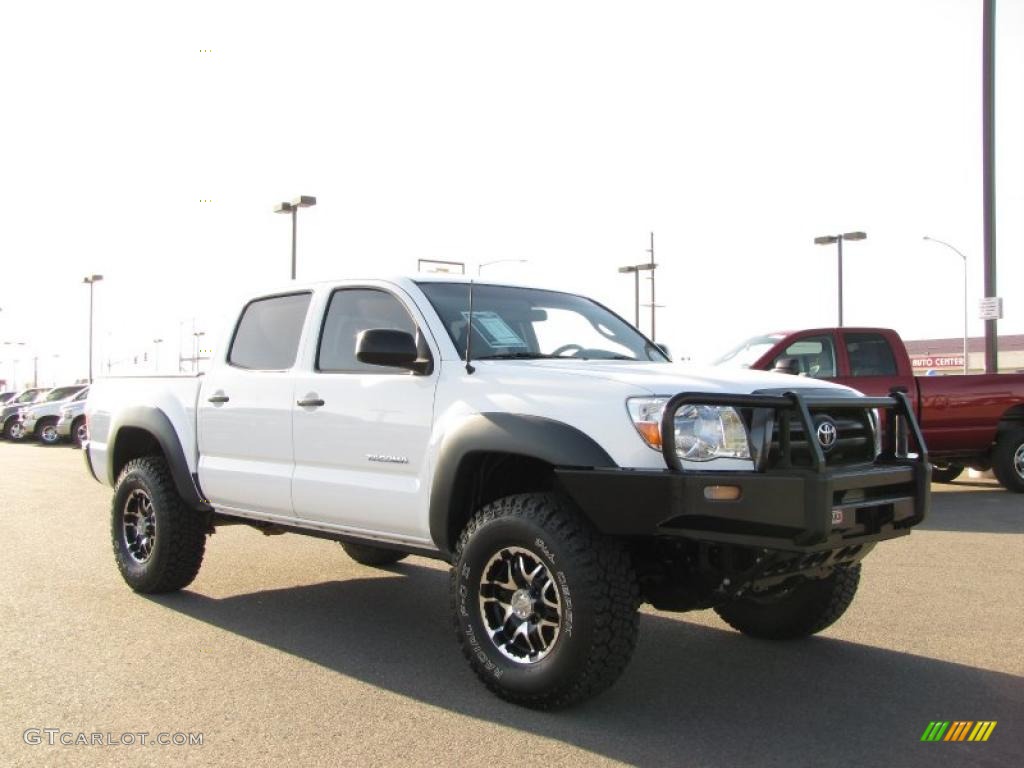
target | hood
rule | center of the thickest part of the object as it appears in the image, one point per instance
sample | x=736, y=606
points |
x=669, y=379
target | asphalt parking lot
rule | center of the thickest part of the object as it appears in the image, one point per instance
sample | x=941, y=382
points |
x=284, y=651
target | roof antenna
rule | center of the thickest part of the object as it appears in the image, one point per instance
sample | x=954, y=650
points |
x=469, y=331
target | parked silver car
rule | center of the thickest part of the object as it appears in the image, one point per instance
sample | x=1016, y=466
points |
x=72, y=422
x=10, y=427
x=40, y=420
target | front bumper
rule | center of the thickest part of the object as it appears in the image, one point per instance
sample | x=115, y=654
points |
x=802, y=509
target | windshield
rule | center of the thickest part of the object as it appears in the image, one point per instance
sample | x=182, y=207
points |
x=60, y=393
x=29, y=396
x=527, y=323
x=747, y=353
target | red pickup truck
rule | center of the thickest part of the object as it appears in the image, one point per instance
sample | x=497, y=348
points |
x=975, y=421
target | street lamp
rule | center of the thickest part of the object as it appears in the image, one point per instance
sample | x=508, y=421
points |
x=636, y=269
x=838, y=240
x=156, y=354
x=964, y=258
x=303, y=201
x=91, y=280
x=480, y=267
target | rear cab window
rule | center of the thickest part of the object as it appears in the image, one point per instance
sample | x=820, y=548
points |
x=268, y=333
x=870, y=355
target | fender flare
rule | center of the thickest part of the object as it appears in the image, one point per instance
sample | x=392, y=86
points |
x=553, y=442
x=155, y=422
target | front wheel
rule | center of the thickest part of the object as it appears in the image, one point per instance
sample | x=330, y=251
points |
x=544, y=606
x=158, y=541
x=1008, y=460
x=14, y=429
x=804, y=609
x=79, y=432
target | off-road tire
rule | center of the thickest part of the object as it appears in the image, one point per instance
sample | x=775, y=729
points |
x=805, y=609
x=369, y=555
x=946, y=473
x=179, y=539
x=1008, y=460
x=593, y=581
x=76, y=431
x=46, y=431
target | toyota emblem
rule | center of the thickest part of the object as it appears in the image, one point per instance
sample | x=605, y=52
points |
x=827, y=434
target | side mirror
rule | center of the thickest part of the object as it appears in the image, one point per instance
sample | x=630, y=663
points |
x=664, y=348
x=788, y=365
x=382, y=346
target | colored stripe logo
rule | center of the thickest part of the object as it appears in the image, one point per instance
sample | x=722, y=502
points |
x=958, y=730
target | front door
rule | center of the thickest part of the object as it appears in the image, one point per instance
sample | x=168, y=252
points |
x=361, y=431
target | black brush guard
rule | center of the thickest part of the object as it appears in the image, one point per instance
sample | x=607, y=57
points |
x=812, y=508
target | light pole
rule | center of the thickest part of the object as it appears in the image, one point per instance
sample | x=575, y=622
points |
x=303, y=201
x=636, y=269
x=14, y=362
x=91, y=280
x=838, y=240
x=964, y=258
x=156, y=354
x=479, y=267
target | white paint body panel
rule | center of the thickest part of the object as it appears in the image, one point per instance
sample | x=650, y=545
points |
x=262, y=456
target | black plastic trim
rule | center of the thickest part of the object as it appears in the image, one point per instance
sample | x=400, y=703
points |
x=553, y=442
x=155, y=422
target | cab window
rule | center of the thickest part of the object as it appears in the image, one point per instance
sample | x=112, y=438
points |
x=813, y=356
x=352, y=311
x=267, y=337
x=870, y=355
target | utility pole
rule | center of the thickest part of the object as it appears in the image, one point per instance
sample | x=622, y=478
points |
x=988, y=144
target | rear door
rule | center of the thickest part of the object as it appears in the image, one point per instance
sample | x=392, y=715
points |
x=361, y=432
x=245, y=410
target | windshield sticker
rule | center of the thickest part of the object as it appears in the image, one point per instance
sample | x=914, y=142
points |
x=495, y=331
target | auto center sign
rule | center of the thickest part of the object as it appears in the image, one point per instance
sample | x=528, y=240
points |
x=926, y=362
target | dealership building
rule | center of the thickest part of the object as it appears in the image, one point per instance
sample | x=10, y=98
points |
x=940, y=356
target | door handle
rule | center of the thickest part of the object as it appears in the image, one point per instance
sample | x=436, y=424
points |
x=313, y=402
x=218, y=399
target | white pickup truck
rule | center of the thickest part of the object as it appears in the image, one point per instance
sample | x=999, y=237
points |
x=534, y=440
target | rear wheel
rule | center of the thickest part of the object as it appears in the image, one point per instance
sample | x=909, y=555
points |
x=1008, y=460
x=368, y=555
x=804, y=609
x=946, y=473
x=544, y=606
x=158, y=540
x=47, y=432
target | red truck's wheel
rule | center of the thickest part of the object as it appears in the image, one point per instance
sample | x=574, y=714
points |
x=946, y=473
x=1008, y=460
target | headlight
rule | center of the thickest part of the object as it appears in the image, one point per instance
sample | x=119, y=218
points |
x=702, y=432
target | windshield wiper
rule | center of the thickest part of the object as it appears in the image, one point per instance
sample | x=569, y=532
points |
x=521, y=356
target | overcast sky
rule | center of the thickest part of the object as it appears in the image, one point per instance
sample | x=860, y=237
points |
x=561, y=133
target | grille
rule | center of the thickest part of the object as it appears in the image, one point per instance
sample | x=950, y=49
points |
x=854, y=439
